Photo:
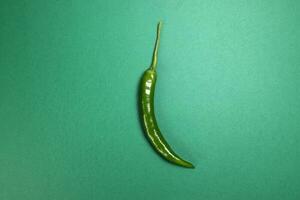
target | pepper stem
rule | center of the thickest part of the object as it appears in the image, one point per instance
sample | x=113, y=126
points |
x=154, y=57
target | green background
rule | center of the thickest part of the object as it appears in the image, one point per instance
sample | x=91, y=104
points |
x=227, y=99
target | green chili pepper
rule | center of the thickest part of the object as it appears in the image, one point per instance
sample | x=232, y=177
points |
x=146, y=104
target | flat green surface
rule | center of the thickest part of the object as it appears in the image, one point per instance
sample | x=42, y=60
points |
x=227, y=99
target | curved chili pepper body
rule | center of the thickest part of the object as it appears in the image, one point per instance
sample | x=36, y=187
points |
x=146, y=103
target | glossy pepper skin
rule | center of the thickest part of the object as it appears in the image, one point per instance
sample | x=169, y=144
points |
x=146, y=104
